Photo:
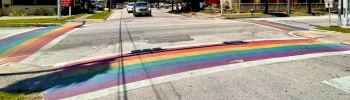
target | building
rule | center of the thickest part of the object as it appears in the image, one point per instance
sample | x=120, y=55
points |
x=31, y=7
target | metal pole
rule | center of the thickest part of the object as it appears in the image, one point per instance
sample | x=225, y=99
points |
x=96, y=5
x=329, y=14
x=288, y=7
x=339, y=12
x=58, y=8
x=221, y=6
x=172, y=5
x=70, y=11
x=345, y=6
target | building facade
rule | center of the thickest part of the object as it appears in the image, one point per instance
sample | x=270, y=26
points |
x=31, y=7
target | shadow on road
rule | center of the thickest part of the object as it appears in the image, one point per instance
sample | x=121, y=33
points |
x=55, y=79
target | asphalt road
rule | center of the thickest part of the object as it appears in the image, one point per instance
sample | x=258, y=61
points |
x=159, y=30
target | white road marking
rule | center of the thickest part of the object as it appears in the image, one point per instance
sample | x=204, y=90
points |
x=342, y=83
x=47, y=46
x=178, y=76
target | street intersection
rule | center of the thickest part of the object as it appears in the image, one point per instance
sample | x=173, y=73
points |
x=264, y=60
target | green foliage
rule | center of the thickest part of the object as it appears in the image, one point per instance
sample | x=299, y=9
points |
x=19, y=13
x=41, y=20
x=11, y=96
x=335, y=28
x=226, y=5
x=44, y=12
x=101, y=15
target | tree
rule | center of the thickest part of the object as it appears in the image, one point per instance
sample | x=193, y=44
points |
x=309, y=6
x=177, y=5
x=266, y=6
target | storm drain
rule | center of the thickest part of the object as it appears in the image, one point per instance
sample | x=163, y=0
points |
x=168, y=39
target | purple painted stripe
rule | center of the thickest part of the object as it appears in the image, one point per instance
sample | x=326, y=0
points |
x=73, y=92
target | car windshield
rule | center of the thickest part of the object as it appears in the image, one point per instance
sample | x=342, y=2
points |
x=174, y=50
x=141, y=4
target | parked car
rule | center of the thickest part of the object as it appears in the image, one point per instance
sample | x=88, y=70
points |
x=119, y=6
x=142, y=8
x=165, y=5
x=99, y=7
x=130, y=7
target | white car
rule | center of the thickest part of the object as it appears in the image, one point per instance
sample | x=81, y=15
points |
x=130, y=7
x=142, y=8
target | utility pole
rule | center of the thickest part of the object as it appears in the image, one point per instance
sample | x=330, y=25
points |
x=288, y=7
x=172, y=5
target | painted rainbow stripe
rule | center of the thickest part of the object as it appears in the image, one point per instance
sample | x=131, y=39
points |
x=275, y=25
x=98, y=74
x=18, y=47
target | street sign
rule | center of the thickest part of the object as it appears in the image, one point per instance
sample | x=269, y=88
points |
x=328, y=3
x=66, y=3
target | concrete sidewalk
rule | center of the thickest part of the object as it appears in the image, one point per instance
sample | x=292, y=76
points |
x=295, y=17
x=327, y=36
x=27, y=17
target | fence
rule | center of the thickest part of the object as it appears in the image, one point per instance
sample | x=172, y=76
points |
x=278, y=6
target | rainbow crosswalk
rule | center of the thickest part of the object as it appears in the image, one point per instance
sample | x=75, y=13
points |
x=275, y=25
x=98, y=74
x=18, y=47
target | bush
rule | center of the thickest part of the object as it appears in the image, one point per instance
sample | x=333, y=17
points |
x=19, y=13
x=44, y=12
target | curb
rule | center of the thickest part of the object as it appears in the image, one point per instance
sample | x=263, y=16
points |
x=108, y=15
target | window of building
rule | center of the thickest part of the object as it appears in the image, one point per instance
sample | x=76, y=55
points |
x=46, y=2
x=23, y=2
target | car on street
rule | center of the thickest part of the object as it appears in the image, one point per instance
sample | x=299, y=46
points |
x=119, y=6
x=97, y=7
x=130, y=7
x=142, y=8
x=165, y=5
